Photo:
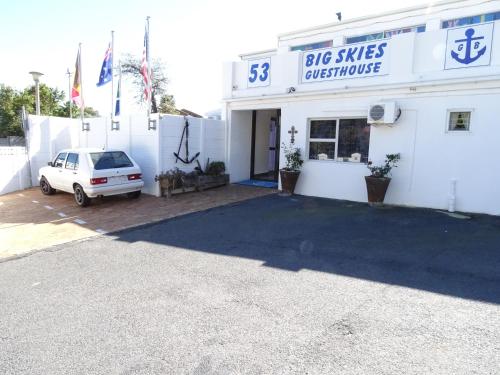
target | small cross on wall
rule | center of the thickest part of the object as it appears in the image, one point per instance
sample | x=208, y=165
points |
x=292, y=132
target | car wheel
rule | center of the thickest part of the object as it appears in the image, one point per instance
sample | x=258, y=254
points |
x=45, y=187
x=81, y=198
x=134, y=194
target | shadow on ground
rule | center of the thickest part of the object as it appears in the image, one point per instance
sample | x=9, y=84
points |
x=415, y=248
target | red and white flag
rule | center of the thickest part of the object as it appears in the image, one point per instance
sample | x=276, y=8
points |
x=145, y=71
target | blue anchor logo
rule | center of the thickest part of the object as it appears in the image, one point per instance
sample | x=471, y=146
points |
x=471, y=43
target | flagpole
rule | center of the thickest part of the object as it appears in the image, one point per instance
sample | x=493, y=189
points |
x=112, y=71
x=148, y=57
x=82, y=108
x=69, y=93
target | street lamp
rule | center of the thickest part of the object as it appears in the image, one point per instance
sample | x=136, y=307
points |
x=36, y=77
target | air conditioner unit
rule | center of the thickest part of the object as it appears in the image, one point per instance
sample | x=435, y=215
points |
x=386, y=113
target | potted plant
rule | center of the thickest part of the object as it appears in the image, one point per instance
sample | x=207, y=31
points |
x=290, y=174
x=214, y=175
x=378, y=182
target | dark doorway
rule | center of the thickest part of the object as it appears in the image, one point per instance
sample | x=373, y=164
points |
x=265, y=145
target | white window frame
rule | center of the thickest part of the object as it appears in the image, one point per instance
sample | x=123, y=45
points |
x=453, y=110
x=330, y=140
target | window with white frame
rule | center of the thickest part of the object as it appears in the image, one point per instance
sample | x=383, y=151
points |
x=344, y=139
x=459, y=120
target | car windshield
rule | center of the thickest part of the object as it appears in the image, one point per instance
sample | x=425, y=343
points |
x=110, y=160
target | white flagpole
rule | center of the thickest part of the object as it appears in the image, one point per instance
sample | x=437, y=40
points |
x=112, y=71
x=82, y=108
x=148, y=57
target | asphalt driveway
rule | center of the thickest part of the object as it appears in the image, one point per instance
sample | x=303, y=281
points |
x=270, y=285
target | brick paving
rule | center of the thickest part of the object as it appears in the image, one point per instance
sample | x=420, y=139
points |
x=31, y=221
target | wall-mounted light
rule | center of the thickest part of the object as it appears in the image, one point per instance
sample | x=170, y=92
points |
x=85, y=126
x=290, y=90
x=151, y=124
x=115, y=125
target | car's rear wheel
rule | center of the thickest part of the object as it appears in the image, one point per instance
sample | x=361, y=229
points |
x=81, y=198
x=45, y=187
x=134, y=194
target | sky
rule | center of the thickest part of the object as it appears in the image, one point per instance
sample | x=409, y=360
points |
x=192, y=37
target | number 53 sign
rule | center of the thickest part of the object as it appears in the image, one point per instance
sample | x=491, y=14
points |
x=259, y=72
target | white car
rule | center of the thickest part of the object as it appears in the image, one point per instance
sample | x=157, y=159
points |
x=90, y=173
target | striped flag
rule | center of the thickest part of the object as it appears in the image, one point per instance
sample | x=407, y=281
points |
x=76, y=91
x=145, y=67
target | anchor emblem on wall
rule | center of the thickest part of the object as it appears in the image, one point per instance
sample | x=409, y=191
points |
x=471, y=45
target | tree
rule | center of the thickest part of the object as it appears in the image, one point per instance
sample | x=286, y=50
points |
x=51, y=104
x=10, y=119
x=131, y=66
x=167, y=105
x=75, y=111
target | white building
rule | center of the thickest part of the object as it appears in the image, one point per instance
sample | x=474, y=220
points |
x=439, y=64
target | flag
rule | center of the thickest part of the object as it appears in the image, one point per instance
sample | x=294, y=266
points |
x=118, y=94
x=107, y=68
x=145, y=67
x=76, y=91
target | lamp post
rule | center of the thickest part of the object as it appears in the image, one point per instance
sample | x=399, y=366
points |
x=36, y=77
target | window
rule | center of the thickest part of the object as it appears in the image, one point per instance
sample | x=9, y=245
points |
x=308, y=47
x=364, y=38
x=72, y=161
x=459, y=121
x=59, y=162
x=322, y=139
x=354, y=138
x=339, y=139
x=110, y=160
x=384, y=34
x=488, y=17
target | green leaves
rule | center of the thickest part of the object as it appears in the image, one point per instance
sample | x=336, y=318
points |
x=384, y=170
x=51, y=104
x=293, y=157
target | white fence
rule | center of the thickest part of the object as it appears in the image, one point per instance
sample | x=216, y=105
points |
x=14, y=169
x=152, y=149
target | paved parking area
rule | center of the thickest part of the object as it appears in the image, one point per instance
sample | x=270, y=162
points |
x=30, y=220
x=271, y=285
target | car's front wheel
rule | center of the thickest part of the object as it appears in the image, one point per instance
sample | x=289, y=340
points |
x=45, y=187
x=81, y=198
x=134, y=194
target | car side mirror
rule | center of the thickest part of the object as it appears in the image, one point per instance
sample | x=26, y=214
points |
x=50, y=164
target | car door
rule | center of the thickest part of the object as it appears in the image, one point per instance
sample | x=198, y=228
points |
x=70, y=172
x=56, y=176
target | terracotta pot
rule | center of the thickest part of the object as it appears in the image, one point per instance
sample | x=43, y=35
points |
x=376, y=188
x=288, y=180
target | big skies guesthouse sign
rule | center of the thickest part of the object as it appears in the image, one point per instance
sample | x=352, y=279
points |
x=352, y=61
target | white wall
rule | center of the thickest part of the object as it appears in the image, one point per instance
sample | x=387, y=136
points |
x=431, y=156
x=151, y=149
x=14, y=169
x=206, y=136
x=415, y=59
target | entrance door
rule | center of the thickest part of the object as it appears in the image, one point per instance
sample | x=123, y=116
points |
x=265, y=145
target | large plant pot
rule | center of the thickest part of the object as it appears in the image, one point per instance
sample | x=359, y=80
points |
x=376, y=188
x=288, y=180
